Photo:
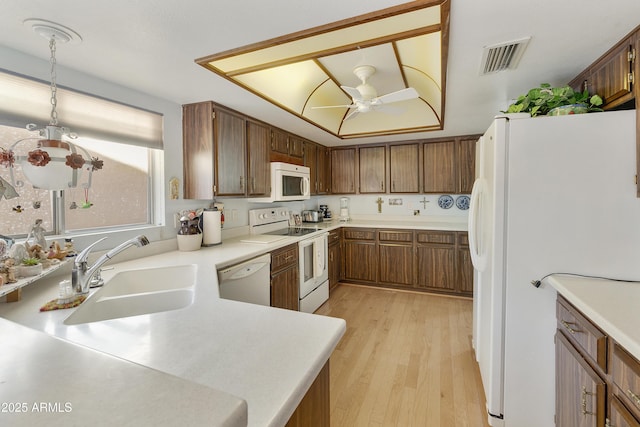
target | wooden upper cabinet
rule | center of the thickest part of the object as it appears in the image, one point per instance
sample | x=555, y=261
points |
x=311, y=161
x=279, y=141
x=230, y=153
x=324, y=170
x=259, y=173
x=296, y=147
x=612, y=75
x=404, y=166
x=466, y=158
x=197, y=151
x=286, y=147
x=439, y=167
x=372, y=170
x=343, y=171
x=449, y=166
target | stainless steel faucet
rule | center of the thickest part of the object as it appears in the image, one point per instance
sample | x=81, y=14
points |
x=81, y=273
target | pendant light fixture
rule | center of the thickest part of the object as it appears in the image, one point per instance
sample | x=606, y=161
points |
x=54, y=163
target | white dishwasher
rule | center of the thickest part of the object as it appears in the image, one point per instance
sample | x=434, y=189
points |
x=249, y=281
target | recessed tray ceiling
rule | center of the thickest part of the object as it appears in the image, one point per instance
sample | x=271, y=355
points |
x=305, y=72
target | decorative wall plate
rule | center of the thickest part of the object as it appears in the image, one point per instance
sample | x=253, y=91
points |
x=445, y=202
x=462, y=202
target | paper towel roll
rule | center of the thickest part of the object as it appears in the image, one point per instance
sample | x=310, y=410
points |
x=211, y=227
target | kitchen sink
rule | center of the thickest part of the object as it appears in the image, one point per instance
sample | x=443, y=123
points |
x=136, y=292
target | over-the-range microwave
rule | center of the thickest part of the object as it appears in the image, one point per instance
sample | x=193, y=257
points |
x=289, y=182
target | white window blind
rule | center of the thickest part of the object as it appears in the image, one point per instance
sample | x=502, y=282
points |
x=24, y=100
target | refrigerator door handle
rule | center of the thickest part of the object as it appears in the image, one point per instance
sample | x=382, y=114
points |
x=476, y=245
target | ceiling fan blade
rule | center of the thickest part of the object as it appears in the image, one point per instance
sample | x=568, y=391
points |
x=335, y=106
x=353, y=92
x=352, y=114
x=400, y=95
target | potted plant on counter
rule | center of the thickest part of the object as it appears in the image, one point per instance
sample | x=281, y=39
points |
x=555, y=101
x=30, y=267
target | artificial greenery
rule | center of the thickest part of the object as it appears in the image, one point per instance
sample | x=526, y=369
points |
x=31, y=261
x=540, y=100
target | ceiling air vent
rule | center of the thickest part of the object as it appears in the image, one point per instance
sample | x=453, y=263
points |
x=502, y=56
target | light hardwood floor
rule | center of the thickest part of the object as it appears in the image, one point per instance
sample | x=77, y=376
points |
x=405, y=360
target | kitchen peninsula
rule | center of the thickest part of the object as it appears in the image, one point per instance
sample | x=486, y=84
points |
x=223, y=349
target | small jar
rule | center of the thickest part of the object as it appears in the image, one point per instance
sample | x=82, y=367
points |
x=65, y=292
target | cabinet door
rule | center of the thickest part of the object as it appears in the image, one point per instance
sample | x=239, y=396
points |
x=580, y=392
x=231, y=154
x=465, y=272
x=619, y=415
x=259, y=177
x=334, y=265
x=360, y=259
x=610, y=78
x=197, y=150
x=311, y=161
x=396, y=264
x=436, y=267
x=343, y=171
x=439, y=167
x=279, y=142
x=324, y=170
x=404, y=164
x=464, y=265
x=285, y=289
x=372, y=170
x=466, y=165
x=296, y=147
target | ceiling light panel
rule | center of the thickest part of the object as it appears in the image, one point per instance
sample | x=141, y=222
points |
x=304, y=71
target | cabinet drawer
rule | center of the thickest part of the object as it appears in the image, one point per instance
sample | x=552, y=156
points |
x=284, y=257
x=582, y=333
x=463, y=239
x=334, y=237
x=359, y=234
x=444, y=237
x=395, y=236
x=625, y=373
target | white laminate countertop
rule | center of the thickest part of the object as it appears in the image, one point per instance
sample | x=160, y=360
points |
x=265, y=356
x=47, y=381
x=612, y=305
x=255, y=361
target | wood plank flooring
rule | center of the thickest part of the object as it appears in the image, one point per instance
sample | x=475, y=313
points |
x=405, y=360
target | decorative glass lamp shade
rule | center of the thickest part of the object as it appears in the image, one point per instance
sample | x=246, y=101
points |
x=55, y=174
x=53, y=164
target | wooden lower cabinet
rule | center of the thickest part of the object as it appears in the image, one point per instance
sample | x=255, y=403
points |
x=285, y=282
x=597, y=380
x=436, y=267
x=433, y=261
x=580, y=392
x=360, y=261
x=314, y=410
x=335, y=258
x=619, y=415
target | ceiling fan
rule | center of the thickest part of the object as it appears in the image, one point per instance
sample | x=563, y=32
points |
x=365, y=97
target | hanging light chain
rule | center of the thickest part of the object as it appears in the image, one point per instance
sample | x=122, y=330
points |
x=54, y=88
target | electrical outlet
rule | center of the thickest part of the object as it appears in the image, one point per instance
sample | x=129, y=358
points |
x=416, y=212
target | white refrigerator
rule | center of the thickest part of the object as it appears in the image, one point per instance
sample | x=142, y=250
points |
x=552, y=195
